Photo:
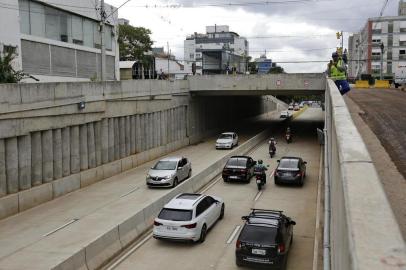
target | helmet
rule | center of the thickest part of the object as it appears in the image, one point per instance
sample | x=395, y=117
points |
x=272, y=139
x=260, y=161
x=334, y=54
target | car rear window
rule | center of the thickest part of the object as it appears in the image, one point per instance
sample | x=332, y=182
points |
x=289, y=163
x=175, y=214
x=237, y=162
x=259, y=234
x=165, y=165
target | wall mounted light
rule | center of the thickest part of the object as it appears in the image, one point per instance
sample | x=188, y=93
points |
x=81, y=105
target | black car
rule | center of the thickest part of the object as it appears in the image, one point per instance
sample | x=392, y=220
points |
x=239, y=168
x=290, y=170
x=265, y=239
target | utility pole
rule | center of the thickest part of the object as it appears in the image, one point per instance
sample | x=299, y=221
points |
x=102, y=42
x=167, y=43
x=381, y=70
x=342, y=41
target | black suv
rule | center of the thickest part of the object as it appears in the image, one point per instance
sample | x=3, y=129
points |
x=239, y=168
x=265, y=239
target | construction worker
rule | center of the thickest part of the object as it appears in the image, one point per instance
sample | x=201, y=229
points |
x=337, y=72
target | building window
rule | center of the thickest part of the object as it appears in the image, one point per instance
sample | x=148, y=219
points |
x=8, y=49
x=376, y=41
x=192, y=56
x=402, y=52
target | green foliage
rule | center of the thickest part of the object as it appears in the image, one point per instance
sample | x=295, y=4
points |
x=276, y=70
x=252, y=68
x=134, y=42
x=7, y=73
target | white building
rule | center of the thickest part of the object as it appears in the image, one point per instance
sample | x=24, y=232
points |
x=365, y=47
x=59, y=40
x=217, y=50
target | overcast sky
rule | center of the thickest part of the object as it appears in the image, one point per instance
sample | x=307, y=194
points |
x=263, y=24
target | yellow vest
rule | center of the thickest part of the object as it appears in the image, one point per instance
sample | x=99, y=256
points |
x=335, y=73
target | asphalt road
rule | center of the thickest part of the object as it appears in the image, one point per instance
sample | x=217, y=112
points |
x=32, y=240
x=300, y=203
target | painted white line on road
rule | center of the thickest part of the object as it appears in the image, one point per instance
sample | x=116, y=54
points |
x=129, y=252
x=258, y=195
x=231, y=238
x=129, y=192
x=211, y=185
x=61, y=227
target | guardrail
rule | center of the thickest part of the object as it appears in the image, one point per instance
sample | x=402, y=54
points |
x=363, y=232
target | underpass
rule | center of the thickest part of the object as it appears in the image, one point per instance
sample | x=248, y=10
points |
x=72, y=221
x=217, y=252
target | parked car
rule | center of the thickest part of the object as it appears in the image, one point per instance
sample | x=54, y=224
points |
x=188, y=217
x=296, y=108
x=169, y=172
x=227, y=140
x=285, y=114
x=239, y=168
x=265, y=239
x=290, y=170
x=290, y=108
x=301, y=105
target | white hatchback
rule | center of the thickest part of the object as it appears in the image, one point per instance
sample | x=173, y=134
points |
x=187, y=217
x=227, y=140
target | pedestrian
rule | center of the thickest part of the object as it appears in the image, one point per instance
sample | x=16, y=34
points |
x=337, y=72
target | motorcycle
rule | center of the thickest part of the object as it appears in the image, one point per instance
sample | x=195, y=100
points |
x=272, y=151
x=288, y=137
x=260, y=179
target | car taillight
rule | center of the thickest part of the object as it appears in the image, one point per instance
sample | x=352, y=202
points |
x=281, y=248
x=156, y=223
x=243, y=170
x=238, y=244
x=189, y=226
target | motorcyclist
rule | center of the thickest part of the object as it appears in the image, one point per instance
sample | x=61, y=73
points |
x=272, y=144
x=260, y=169
x=288, y=130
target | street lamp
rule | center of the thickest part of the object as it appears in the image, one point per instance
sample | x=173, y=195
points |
x=382, y=48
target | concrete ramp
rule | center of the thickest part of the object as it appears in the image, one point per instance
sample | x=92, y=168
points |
x=259, y=84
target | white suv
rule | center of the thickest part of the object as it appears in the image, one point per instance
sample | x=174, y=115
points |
x=187, y=217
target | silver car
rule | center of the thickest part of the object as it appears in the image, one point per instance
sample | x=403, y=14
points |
x=227, y=140
x=169, y=172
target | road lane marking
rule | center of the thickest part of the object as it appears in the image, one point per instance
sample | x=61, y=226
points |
x=61, y=227
x=231, y=238
x=129, y=192
x=258, y=195
x=210, y=186
x=129, y=252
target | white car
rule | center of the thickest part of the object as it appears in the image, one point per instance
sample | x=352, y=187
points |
x=188, y=217
x=285, y=114
x=227, y=140
x=290, y=107
x=169, y=172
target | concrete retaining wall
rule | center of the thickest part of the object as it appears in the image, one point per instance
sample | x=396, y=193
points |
x=50, y=147
x=364, y=233
x=110, y=243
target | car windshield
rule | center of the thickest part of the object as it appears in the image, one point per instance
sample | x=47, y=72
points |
x=165, y=165
x=226, y=136
x=289, y=163
x=238, y=162
x=258, y=234
x=175, y=214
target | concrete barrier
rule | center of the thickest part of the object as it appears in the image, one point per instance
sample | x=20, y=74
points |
x=382, y=84
x=364, y=233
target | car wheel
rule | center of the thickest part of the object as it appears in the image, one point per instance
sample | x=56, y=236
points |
x=301, y=182
x=203, y=233
x=238, y=262
x=175, y=182
x=222, y=212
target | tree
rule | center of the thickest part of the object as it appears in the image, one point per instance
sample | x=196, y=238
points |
x=134, y=42
x=7, y=73
x=252, y=68
x=276, y=70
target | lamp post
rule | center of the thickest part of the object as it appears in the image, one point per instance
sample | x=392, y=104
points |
x=382, y=48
